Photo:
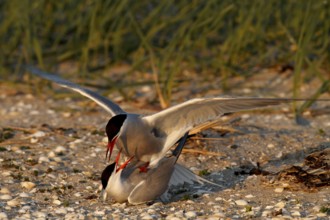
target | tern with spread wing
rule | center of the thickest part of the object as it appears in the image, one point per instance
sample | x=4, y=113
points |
x=149, y=137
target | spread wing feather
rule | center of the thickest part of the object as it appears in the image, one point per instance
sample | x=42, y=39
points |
x=108, y=105
x=177, y=120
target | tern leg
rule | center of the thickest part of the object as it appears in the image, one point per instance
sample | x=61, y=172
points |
x=124, y=164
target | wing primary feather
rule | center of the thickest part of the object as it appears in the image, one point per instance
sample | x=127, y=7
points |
x=183, y=175
x=105, y=103
x=177, y=151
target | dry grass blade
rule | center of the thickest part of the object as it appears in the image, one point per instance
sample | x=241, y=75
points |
x=205, y=126
x=217, y=125
x=204, y=152
x=16, y=142
x=27, y=130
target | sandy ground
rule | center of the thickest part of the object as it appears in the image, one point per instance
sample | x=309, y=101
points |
x=52, y=152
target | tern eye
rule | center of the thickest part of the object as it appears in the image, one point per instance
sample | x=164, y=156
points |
x=106, y=174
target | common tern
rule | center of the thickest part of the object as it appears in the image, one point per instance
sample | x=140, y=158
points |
x=128, y=183
x=149, y=137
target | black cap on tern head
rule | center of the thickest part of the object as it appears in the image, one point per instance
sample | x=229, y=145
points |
x=106, y=174
x=114, y=125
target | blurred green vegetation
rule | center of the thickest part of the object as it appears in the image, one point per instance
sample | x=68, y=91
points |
x=225, y=38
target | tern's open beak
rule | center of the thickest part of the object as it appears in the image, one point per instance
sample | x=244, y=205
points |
x=111, y=145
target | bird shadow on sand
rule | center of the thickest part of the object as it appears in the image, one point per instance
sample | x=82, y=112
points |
x=310, y=175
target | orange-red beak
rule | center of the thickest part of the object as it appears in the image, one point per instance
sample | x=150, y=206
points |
x=110, y=147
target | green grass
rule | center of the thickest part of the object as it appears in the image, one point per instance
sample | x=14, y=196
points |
x=222, y=38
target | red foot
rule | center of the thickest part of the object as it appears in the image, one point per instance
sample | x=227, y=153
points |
x=144, y=168
x=124, y=164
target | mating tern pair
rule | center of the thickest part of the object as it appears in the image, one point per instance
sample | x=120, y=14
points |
x=129, y=184
x=148, y=138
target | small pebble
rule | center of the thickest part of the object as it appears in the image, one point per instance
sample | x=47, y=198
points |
x=250, y=213
x=249, y=196
x=70, y=209
x=151, y=211
x=71, y=216
x=57, y=159
x=270, y=145
x=245, y=116
x=24, y=209
x=34, y=140
x=321, y=214
x=77, y=194
x=38, y=134
x=266, y=213
x=4, y=190
x=13, y=203
x=146, y=217
x=51, y=176
x=279, y=190
x=24, y=195
x=40, y=214
x=77, y=142
x=50, y=111
x=5, y=197
x=6, y=173
x=280, y=205
x=179, y=214
x=172, y=217
x=285, y=212
x=3, y=216
x=26, y=216
x=28, y=185
x=43, y=159
x=316, y=208
x=51, y=154
x=219, y=214
x=67, y=114
x=61, y=211
x=99, y=213
x=296, y=214
x=280, y=154
x=105, y=140
x=57, y=202
x=60, y=149
x=190, y=214
x=241, y=202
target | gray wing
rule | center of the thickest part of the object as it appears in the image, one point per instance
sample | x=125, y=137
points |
x=181, y=175
x=105, y=103
x=155, y=184
x=177, y=120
